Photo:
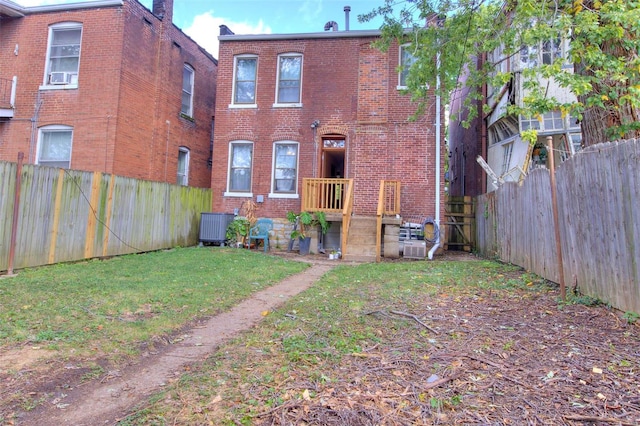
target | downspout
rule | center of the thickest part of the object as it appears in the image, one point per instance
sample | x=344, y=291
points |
x=436, y=245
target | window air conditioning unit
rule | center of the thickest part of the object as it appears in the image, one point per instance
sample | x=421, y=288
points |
x=415, y=249
x=59, y=77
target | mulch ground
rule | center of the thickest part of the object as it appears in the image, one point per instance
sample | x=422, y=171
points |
x=486, y=358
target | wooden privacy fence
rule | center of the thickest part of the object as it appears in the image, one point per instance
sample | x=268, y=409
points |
x=598, y=204
x=67, y=215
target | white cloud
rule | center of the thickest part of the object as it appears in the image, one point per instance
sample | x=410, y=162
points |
x=310, y=10
x=205, y=29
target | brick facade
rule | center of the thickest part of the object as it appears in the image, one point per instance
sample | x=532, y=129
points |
x=351, y=89
x=125, y=111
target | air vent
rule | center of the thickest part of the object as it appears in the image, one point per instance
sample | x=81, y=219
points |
x=415, y=249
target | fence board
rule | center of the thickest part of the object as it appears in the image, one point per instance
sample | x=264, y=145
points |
x=598, y=200
x=68, y=215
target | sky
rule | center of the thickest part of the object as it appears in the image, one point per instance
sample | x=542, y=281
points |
x=201, y=19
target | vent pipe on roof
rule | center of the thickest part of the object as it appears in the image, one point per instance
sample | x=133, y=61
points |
x=224, y=30
x=347, y=9
x=331, y=25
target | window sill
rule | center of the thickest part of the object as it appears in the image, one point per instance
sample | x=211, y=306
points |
x=296, y=105
x=187, y=117
x=286, y=196
x=58, y=87
x=242, y=106
x=238, y=194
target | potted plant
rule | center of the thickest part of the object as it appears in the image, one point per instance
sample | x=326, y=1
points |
x=306, y=222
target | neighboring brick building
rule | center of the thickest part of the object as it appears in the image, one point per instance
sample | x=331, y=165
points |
x=318, y=105
x=106, y=86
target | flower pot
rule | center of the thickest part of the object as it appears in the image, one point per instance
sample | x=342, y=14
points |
x=305, y=245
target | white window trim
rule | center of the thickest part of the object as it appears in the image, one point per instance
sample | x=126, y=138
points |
x=277, y=104
x=273, y=193
x=49, y=128
x=233, y=103
x=192, y=86
x=45, y=80
x=186, y=151
x=229, y=193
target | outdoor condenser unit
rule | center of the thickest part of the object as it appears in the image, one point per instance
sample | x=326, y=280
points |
x=415, y=249
x=213, y=227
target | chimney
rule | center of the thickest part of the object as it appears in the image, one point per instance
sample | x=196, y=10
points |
x=163, y=9
x=347, y=9
x=224, y=30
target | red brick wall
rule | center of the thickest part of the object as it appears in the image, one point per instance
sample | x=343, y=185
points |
x=129, y=86
x=352, y=89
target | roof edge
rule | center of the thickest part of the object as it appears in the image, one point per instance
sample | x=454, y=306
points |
x=72, y=6
x=317, y=35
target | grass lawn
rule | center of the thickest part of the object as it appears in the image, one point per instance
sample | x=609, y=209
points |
x=417, y=343
x=107, y=307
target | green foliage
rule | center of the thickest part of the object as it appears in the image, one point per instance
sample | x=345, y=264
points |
x=631, y=317
x=307, y=221
x=237, y=230
x=604, y=40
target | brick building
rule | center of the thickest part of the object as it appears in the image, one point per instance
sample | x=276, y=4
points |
x=320, y=106
x=106, y=86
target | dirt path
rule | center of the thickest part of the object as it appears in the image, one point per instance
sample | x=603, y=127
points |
x=105, y=402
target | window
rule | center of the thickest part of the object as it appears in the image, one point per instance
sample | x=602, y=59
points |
x=187, y=91
x=406, y=60
x=551, y=50
x=240, y=158
x=63, y=54
x=553, y=120
x=244, y=88
x=54, y=146
x=506, y=156
x=183, y=166
x=527, y=123
x=544, y=53
x=289, y=79
x=285, y=167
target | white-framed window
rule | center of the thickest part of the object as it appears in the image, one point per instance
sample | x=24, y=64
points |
x=63, y=55
x=543, y=53
x=553, y=120
x=245, y=71
x=183, y=166
x=187, y=91
x=507, y=149
x=240, y=167
x=54, y=146
x=289, y=84
x=406, y=60
x=285, y=168
x=549, y=122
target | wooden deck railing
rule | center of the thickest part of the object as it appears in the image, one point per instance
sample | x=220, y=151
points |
x=330, y=196
x=388, y=204
x=336, y=196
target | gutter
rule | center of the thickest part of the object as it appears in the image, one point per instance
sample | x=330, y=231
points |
x=438, y=149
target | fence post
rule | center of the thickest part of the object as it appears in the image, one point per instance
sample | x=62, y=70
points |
x=556, y=219
x=14, y=219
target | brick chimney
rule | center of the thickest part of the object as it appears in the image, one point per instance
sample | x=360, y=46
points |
x=163, y=9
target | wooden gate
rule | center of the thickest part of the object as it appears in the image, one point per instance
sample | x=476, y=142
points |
x=460, y=224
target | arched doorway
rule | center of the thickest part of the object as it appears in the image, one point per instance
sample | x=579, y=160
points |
x=332, y=156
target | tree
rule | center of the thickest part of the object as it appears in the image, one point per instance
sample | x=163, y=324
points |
x=463, y=35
